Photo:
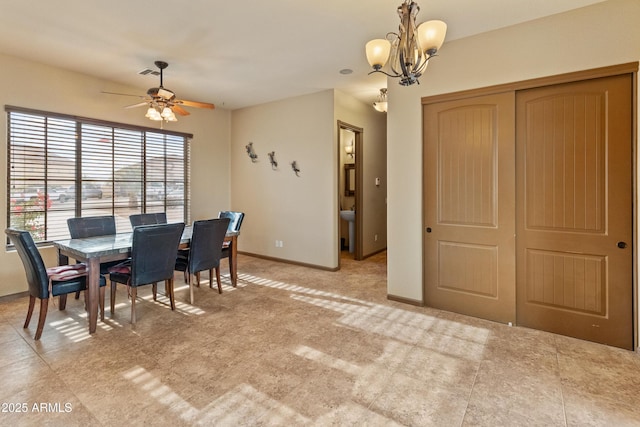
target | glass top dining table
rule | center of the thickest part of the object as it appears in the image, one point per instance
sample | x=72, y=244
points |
x=96, y=250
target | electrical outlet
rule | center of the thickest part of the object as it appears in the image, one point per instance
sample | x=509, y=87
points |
x=375, y=237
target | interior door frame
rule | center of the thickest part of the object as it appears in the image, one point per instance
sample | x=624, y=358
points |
x=358, y=193
x=614, y=70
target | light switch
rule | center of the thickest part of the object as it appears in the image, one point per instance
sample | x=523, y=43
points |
x=377, y=182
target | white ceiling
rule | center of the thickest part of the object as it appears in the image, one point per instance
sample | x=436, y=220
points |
x=237, y=53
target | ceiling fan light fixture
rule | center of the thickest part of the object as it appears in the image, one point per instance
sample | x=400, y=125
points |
x=166, y=113
x=153, y=114
x=161, y=103
x=170, y=117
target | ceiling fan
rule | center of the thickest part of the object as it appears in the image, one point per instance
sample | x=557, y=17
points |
x=162, y=102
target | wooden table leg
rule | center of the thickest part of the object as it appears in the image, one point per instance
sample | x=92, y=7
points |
x=233, y=261
x=93, y=287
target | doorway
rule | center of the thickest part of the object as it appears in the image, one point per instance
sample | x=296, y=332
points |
x=349, y=190
x=570, y=188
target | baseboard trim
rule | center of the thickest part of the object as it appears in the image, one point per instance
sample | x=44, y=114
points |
x=288, y=261
x=374, y=253
x=404, y=300
x=11, y=297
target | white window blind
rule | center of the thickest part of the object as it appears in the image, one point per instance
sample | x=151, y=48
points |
x=63, y=166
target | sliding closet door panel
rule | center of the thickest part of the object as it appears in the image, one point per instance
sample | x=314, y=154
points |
x=469, y=186
x=574, y=198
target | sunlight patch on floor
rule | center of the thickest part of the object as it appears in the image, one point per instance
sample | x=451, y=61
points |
x=181, y=307
x=244, y=403
x=241, y=403
x=327, y=360
x=72, y=329
x=450, y=337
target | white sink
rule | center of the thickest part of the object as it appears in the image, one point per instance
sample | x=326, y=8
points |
x=351, y=217
x=348, y=215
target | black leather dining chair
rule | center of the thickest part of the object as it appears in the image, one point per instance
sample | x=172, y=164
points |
x=153, y=258
x=93, y=226
x=204, y=252
x=45, y=283
x=235, y=221
x=148, y=219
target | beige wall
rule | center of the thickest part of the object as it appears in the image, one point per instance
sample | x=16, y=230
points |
x=32, y=85
x=299, y=211
x=600, y=35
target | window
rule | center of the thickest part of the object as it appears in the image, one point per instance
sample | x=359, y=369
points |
x=64, y=166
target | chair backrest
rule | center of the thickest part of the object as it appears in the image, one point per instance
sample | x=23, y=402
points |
x=205, y=249
x=32, y=262
x=153, y=252
x=91, y=226
x=148, y=219
x=234, y=217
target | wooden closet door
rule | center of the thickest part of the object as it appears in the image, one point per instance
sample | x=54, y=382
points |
x=469, y=210
x=574, y=198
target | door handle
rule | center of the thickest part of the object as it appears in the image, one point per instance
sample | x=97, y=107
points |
x=428, y=229
x=622, y=245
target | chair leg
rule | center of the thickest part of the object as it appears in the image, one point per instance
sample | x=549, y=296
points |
x=44, y=305
x=134, y=291
x=77, y=294
x=169, y=284
x=101, y=302
x=218, y=280
x=113, y=296
x=154, y=288
x=32, y=303
x=197, y=279
x=63, y=301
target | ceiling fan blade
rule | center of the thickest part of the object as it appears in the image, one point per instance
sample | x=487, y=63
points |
x=122, y=94
x=179, y=110
x=139, y=104
x=195, y=104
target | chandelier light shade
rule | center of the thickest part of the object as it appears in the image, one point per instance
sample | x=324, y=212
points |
x=378, y=53
x=408, y=51
x=381, y=103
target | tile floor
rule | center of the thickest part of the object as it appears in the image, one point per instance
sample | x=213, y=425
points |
x=298, y=346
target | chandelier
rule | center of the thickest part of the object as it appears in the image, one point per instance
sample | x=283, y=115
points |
x=408, y=51
x=381, y=103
